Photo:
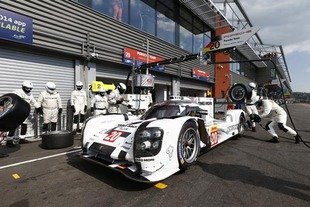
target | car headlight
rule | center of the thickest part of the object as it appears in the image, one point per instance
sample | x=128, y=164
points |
x=147, y=142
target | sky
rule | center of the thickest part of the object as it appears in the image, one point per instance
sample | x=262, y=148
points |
x=286, y=23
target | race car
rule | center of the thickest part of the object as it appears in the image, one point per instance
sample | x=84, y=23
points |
x=166, y=139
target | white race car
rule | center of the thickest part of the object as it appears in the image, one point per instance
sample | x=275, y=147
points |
x=166, y=139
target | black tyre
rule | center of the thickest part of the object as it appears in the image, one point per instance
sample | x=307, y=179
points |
x=188, y=145
x=239, y=92
x=12, y=143
x=14, y=111
x=57, y=139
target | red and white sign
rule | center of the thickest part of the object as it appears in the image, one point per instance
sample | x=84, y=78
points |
x=140, y=56
x=200, y=74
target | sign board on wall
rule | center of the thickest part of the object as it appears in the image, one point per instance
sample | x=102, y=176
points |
x=231, y=39
x=137, y=58
x=200, y=74
x=15, y=27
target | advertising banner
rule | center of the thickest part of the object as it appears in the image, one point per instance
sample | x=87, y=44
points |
x=15, y=27
x=200, y=74
x=137, y=58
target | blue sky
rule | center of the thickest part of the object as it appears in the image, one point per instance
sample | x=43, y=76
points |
x=286, y=23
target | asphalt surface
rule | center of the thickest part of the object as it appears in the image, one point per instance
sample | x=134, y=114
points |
x=245, y=172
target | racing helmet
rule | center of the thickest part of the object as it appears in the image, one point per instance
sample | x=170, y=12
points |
x=50, y=87
x=79, y=85
x=121, y=88
x=27, y=86
x=252, y=85
x=102, y=92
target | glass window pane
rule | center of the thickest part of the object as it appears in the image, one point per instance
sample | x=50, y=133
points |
x=165, y=28
x=142, y=16
x=186, y=40
x=198, y=43
x=118, y=9
x=206, y=38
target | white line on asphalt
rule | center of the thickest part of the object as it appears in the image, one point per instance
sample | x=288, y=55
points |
x=38, y=159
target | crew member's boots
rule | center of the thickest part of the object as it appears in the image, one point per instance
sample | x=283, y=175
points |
x=274, y=140
x=253, y=129
x=297, y=138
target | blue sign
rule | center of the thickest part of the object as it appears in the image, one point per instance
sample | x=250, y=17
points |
x=136, y=63
x=15, y=27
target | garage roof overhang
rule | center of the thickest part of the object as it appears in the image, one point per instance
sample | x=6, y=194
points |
x=207, y=12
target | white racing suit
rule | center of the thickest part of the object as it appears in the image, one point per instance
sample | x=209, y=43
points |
x=114, y=100
x=100, y=104
x=79, y=102
x=51, y=105
x=30, y=99
x=250, y=107
x=277, y=116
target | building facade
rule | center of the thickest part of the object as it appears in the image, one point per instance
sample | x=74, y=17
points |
x=85, y=40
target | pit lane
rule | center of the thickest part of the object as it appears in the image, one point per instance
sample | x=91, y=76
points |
x=243, y=172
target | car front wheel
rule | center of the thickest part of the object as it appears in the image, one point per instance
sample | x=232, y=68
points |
x=188, y=145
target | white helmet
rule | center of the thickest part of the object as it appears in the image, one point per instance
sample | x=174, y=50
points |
x=121, y=87
x=27, y=86
x=79, y=85
x=252, y=85
x=102, y=91
x=50, y=87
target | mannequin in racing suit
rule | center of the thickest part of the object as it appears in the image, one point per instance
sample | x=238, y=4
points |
x=250, y=107
x=277, y=116
x=78, y=105
x=99, y=104
x=50, y=102
x=24, y=93
x=115, y=99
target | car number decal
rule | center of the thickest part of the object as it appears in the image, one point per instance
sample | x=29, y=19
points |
x=112, y=136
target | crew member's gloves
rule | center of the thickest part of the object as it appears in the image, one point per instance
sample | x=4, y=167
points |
x=59, y=110
x=92, y=109
x=39, y=110
x=119, y=101
x=255, y=118
x=85, y=108
x=129, y=106
x=73, y=108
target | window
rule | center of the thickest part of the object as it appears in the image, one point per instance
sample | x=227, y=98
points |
x=165, y=28
x=198, y=43
x=142, y=16
x=186, y=39
x=206, y=38
x=118, y=9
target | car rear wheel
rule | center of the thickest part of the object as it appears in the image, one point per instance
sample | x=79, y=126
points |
x=188, y=145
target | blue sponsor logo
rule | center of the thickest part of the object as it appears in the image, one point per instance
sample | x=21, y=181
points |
x=15, y=27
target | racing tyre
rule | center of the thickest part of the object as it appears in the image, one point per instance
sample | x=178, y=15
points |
x=239, y=92
x=57, y=139
x=14, y=111
x=188, y=145
x=241, y=125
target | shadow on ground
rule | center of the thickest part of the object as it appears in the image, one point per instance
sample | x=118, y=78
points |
x=106, y=175
x=256, y=178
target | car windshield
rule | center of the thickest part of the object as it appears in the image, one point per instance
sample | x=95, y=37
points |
x=162, y=111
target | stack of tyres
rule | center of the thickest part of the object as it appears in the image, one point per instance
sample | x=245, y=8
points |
x=57, y=139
